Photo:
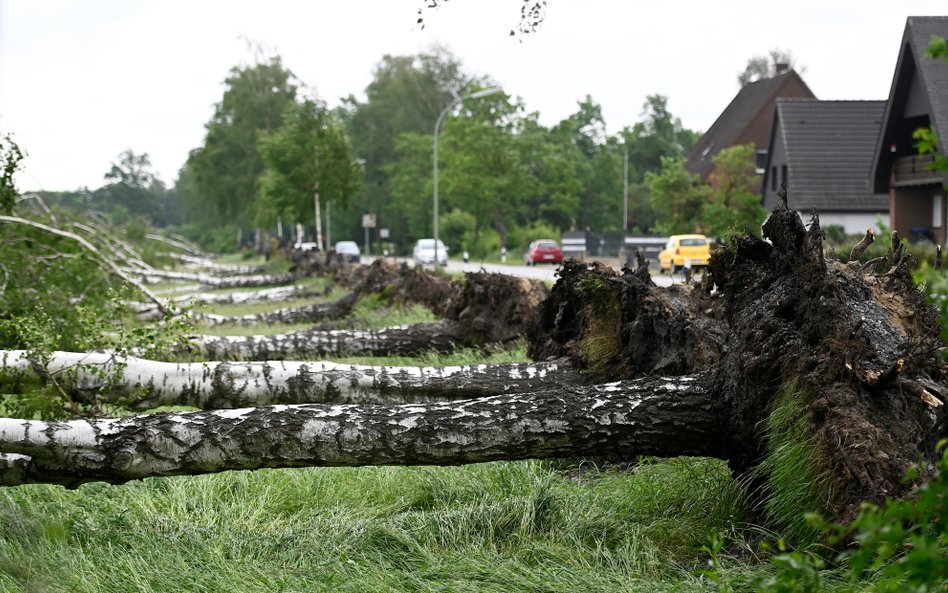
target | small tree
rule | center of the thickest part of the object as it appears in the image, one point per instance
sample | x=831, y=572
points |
x=678, y=197
x=10, y=157
x=309, y=151
x=762, y=67
x=735, y=199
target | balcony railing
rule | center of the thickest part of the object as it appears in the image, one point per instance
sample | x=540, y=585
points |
x=915, y=170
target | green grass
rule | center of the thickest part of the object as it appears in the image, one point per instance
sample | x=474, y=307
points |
x=509, y=526
x=798, y=481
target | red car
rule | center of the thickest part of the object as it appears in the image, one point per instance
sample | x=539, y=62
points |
x=543, y=251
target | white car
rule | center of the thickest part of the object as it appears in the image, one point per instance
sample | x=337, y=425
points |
x=349, y=250
x=424, y=252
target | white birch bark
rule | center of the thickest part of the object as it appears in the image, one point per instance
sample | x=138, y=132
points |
x=147, y=384
x=177, y=242
x=208, y=264
x=211, y=281
x=303, y=314
x=651, y=416
x=148, y=311
x=404, y=340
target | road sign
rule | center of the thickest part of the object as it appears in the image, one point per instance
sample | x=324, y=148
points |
x=383, y=233
x=368, y=221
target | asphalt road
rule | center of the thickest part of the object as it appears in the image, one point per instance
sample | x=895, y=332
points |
x=543, y=272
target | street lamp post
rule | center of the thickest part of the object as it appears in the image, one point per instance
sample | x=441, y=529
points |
x=437, y=129
x=625, y=193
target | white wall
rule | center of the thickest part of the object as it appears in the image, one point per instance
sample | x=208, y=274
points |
x=855, y=223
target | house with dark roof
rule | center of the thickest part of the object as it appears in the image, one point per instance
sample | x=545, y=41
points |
x=748, y=118
x=823, y=151
x=918, y=98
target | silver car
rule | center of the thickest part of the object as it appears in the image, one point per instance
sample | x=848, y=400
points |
x=349, y=250
x=424, y=252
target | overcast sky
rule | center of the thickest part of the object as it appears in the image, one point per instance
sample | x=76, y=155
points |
x=83, y=80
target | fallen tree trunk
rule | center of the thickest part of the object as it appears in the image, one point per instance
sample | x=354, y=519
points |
x=206, y=263
x=143, y=384
x=406, y=340
x=178, y=242
x=655, y=416
x=211, y=281
x=149, y=312
x=304, y=314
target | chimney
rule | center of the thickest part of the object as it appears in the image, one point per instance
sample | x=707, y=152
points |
x=780, y=68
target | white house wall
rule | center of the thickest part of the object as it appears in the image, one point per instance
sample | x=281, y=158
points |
x=855, y=223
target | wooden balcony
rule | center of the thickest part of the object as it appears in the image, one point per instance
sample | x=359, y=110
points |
x=915, y=170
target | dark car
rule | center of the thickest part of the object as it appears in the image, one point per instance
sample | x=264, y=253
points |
x=349, y=250
x=543, y=251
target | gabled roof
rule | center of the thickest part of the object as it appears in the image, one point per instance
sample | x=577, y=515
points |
x=735, y=119
x=932, y=75
x=830, y=148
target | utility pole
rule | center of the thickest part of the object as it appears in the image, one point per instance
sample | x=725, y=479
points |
x=625, y=194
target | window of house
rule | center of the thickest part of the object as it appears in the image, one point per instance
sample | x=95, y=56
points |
x=773, y=178
x=761, y=161
x=937, y=214
x=783, y=175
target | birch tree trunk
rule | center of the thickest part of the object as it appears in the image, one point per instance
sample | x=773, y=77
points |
x=406, y=340
x=206, y=263
x=211, y=281
x=209, y=385
x=305, y=314
x=651, y=416
x=148, y=311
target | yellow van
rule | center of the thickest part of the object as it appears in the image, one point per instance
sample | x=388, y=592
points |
x=681, y=250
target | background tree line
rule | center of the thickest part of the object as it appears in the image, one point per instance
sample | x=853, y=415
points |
x=505, y=178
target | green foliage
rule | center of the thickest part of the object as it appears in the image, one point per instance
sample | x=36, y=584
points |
x=521, y=237
x=835, y=233
x=40, y=332
x=678, y=197
x=133, y=188
x=405, y=97
x=410, y=185
x=10, y=157
x=735, y=199
x=222, y=174
x=483, y=170
x=927, y=142
x=935, y=285
x=901, y=547
x=762, y=67
x=456, y=229
x=938, y=48
x=309, y=150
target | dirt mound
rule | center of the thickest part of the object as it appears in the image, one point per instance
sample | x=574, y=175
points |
x=496, y=308
x=615, y=325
